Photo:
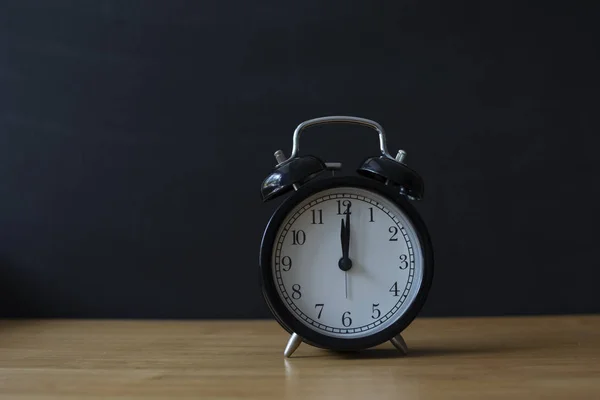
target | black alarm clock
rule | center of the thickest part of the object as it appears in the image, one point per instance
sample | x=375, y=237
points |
x=346, y=261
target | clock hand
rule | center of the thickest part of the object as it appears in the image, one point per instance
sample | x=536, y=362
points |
x=346, y=282
x=345, y=263
x=343, y=235
x=348, y=231
x=347, y=247
x=344, y=260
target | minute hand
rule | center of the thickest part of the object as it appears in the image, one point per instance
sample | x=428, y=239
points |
x=347, y=244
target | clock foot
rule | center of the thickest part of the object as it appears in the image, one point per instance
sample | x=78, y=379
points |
x=292, y=345
x=400, y=344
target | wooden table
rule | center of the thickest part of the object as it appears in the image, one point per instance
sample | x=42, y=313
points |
x=485, y=358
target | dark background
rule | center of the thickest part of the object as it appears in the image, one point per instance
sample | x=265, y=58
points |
x=134, y=136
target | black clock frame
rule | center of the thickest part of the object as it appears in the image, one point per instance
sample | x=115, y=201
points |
x=290, y=322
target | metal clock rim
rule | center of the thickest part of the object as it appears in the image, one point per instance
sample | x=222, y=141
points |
x=287, y=320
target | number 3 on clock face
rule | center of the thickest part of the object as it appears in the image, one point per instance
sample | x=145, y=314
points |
x=347, y=263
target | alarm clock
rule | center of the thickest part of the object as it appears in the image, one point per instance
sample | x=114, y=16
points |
x=346, y=262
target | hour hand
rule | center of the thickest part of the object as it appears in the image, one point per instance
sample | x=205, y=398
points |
x=345, y=263
x=345, y=242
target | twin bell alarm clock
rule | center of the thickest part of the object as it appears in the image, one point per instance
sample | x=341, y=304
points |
x=346, y=261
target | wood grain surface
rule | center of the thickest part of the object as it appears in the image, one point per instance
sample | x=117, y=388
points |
x=478, y=358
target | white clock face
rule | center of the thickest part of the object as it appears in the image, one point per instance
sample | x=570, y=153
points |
x=386, y=262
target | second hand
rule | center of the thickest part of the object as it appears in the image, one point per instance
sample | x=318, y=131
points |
x=346, y=282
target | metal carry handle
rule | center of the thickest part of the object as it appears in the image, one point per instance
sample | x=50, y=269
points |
x=339, y=120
